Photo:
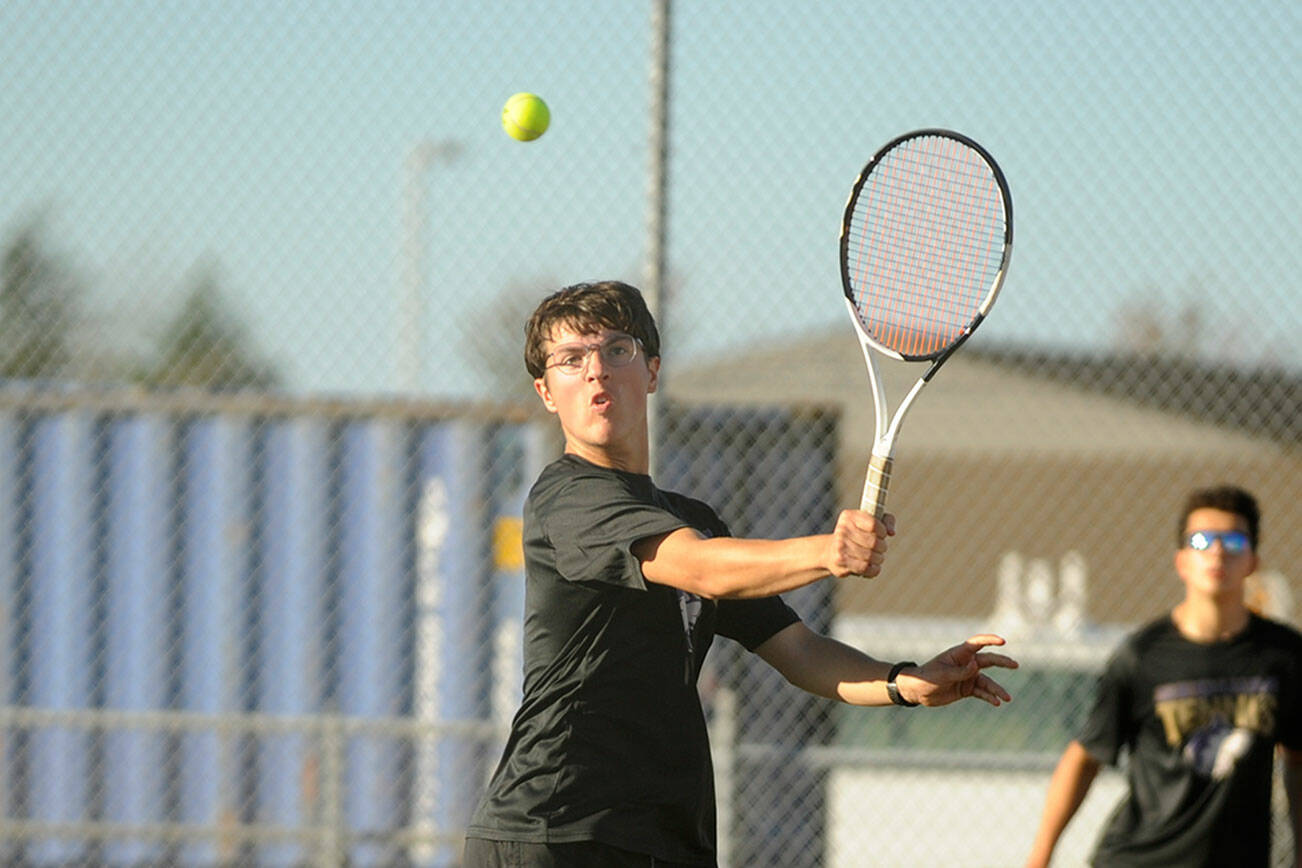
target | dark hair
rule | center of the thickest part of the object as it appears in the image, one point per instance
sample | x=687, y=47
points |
x=1227, y=498
x=587, y=307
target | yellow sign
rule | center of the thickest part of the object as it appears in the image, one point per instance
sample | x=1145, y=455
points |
x=508, y=543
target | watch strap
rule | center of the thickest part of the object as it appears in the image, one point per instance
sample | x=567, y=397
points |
x=892, y=690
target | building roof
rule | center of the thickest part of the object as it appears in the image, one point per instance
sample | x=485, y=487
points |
x=1003, y=400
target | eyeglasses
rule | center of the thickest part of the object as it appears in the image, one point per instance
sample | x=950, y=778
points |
x=1233, y=542
x=615, y=352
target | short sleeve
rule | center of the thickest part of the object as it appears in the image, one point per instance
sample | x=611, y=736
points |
x=1106, y=729
x=754, y=622
x=593, y=522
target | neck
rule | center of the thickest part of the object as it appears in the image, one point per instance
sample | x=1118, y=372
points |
x=632, y=460
x=1203, y=620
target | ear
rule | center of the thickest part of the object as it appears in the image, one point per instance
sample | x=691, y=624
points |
x=653, y=365
x=540, y=386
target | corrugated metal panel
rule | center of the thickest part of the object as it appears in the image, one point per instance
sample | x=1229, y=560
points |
x=137, y=574
x=60, y=629
x=215, y=509
x=10, y=480
x=222, y=565
x=292, y=599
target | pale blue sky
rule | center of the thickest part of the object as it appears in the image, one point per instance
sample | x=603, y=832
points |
x=1151, y=147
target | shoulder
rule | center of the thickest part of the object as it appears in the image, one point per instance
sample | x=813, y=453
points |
x=697, y=512
x=1143, y=641
x=570, y=476
x=1276, y=633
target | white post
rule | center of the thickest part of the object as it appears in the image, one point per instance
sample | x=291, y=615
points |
x=657, y=182
x=723, y=741
x=411, y=309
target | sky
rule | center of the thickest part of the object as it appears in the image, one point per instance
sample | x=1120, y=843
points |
x=1152, y=151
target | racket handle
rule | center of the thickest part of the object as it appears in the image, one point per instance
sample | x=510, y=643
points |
x=875, y=485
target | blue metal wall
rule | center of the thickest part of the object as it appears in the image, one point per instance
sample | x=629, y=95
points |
x=223, y=562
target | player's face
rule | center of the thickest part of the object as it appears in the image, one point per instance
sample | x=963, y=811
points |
x=1208, y=566
x=601, y=403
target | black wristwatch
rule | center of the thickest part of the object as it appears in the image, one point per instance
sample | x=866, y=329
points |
x=892, y=690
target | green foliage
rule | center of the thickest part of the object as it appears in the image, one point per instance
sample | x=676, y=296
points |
x=204, y=346
x=47, y=334
x=39, y=306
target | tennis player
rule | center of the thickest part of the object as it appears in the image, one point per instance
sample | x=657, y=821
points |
x=607, y=762
x=1199, y=699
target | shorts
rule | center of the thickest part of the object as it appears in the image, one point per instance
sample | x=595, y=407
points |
x=482, y=853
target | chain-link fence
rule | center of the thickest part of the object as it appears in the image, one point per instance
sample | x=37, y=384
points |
x=265, y=431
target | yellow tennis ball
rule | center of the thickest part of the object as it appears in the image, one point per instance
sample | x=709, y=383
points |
x=525, y=117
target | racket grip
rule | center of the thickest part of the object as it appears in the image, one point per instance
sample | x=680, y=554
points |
x=875, y=485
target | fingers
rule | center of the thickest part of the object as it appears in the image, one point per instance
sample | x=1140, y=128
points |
x=991, y=691
x=1001, y=660
x=957, y=673
x=859, y=543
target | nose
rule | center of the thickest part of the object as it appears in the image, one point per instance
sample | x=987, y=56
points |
x=593, y=365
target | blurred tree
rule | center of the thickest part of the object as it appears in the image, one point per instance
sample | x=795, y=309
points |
x=1189, y=325
x=40, y=299
x=204, y=346
x=493, y=341
x=1152, y=324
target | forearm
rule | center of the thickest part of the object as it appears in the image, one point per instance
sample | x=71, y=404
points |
x=1067, y=790
x=826, y=667
x=723, y=567
x=727, y=567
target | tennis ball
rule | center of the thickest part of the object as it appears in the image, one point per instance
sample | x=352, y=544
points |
x=525, y=117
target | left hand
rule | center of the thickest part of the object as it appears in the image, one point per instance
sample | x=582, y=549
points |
x=957, y=674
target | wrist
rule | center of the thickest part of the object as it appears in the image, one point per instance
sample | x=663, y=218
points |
x=893, y=690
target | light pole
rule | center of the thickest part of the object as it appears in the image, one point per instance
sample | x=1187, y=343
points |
x=657, y=189
x=415, y=220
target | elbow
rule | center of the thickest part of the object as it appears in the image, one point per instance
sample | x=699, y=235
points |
x=720, y=585
x=709, y=587
x=712, y=585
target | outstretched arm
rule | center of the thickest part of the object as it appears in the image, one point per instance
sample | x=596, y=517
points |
x=728, y=567
x=826, y=667
x=1067, y=789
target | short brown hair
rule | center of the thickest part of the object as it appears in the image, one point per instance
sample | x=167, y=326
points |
x=587, y=307
x=1226, y=498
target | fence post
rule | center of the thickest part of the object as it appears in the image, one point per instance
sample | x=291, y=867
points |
x=332, y=793
x=723, y=741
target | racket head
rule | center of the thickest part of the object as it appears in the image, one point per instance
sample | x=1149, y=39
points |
x=925, y=243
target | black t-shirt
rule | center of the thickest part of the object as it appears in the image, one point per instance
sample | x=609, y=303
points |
x=1200, y=722
x=610, y=741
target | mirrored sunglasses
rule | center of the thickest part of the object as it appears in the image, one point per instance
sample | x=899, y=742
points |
x=1232, y=541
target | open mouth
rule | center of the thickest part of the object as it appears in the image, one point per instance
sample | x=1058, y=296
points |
x=601, y=399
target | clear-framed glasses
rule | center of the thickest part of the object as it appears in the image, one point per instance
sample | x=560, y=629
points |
x=1233, y=542
x=616, y=352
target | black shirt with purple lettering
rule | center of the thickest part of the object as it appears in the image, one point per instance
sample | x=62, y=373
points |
x=1200, y=722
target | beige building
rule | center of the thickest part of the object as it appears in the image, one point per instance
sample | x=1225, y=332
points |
x=1071, y=469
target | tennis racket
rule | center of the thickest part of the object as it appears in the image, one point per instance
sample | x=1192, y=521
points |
x=925, y=243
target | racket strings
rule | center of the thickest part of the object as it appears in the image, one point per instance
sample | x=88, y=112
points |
x=925, y=242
